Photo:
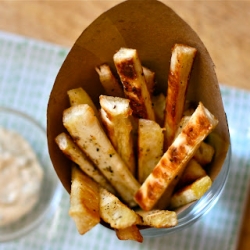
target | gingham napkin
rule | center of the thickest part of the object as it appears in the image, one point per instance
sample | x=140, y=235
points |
x=27, y=72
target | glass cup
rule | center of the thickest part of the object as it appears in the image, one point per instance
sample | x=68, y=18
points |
x=51, y=190
x=198, y=208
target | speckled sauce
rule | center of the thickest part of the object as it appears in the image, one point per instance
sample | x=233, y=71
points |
x=20, y=177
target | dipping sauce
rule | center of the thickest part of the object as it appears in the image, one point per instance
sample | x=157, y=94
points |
x=20, y=177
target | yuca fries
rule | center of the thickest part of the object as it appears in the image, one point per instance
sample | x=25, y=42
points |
x=180, y=67
x=114, y=153
x=192, y=172
x=158, y=218
x=84, y=201
x=204, y=154
x=74, y=153
x=116, y=116
x=114, y=212
x=113, y=87
x=174, y=161
x=108, y=81
x=129, y=68
x=86, y=131
x=149, y=78
x=191, y=192
x=80, y=96
x=129, y=233
x=150, y=147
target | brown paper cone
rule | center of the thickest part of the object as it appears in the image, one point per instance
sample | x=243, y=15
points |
x=152, y=28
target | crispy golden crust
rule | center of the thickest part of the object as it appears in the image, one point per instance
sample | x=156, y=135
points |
x=135, y=88
x=134, y=93
x=178, y=78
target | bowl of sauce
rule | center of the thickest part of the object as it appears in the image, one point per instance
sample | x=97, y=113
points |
x=29, y=190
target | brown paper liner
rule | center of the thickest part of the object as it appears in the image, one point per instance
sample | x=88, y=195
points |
x=152, y=28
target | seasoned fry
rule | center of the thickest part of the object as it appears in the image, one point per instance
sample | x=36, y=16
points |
x=192, y=172
x=149, y=78
x=142, y=152
x=80, y=96
x=158, y=218
x=174, y=161
x=86, y=131
x=204, y=154
x=129, y=233
x=180, y=67
x=114, y=212
x=129, y=68
x=110, y=84
x=116, y=117
x=84, y=201
x=150, y=147
x=191, y=192
x=74, y=153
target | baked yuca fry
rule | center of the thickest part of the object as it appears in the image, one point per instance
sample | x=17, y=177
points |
x=80, y=96
x=173, y=162
x=180, y=67
x=87, y=132
x=84, y=201
x=129, y=68
x=129, y=233
x=150, y=147
x=204, y=154
x=108, y=81
x=191, y=192
x=192, y=172
x=149, y=78
x=116, y=118
x=75, y=154
x=158, y=218
x=116, y=213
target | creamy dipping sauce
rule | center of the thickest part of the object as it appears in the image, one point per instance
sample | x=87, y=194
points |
x=20, y=177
